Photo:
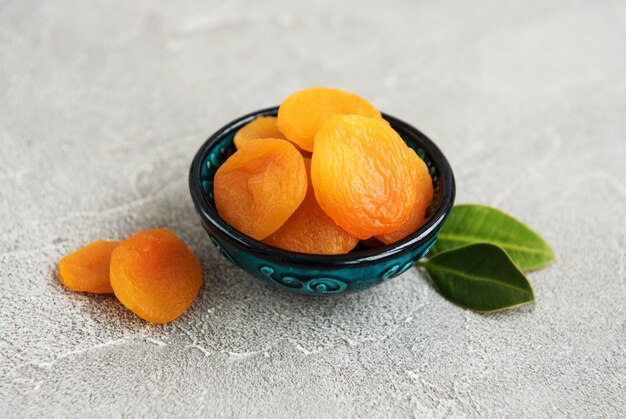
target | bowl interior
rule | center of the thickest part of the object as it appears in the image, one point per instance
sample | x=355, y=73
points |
x=220, y=146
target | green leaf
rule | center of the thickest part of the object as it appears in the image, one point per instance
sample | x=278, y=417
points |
x=481, y=277
x=469, y=224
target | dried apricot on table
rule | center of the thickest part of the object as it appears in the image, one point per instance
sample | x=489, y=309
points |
x=310, y=230
x=425, y=192
x=363, y=175
x=261, y=127
x=258, y=188
x=155, y=275
x=303, y=112
x=87, y=269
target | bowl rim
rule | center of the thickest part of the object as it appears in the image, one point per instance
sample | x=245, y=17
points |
x=209, y=214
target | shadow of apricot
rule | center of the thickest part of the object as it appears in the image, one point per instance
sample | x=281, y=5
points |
x=104, y=312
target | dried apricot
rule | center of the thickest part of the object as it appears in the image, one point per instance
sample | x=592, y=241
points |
x=303, y=112
x=155, y=275
x=261, y=127
x=310, y=230
x=87, y=269
x=363, y=175
x=424, y=188
x=258, y=188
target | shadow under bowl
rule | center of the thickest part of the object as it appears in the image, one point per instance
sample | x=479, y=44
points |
x=318, y=274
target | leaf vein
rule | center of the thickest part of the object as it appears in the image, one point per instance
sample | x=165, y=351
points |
x=475, y=278
x=506, y=245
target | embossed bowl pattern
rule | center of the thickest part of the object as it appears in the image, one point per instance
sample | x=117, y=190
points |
x=318, y=274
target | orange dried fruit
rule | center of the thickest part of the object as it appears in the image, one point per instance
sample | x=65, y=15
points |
x=303, y=112
x=87, y=269
x=258, y=188
x=425, y=192
x=310, y=230
x=363, y=175
x=155, y=275
x=261, y=127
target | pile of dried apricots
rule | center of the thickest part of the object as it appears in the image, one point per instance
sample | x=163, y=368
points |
x=152, y=273
x=327, y=172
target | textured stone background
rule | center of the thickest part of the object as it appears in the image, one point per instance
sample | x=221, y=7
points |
x=103, y=106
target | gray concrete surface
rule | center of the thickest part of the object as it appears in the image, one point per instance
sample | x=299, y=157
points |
x=103, y=105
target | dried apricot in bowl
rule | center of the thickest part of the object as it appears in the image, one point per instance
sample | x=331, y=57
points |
x=363, y=175
x=310, y=230
x=258, y=188
x=425, y=192
x=155, y=275
x=87, y=269
x=262, y=127
x=303, y=112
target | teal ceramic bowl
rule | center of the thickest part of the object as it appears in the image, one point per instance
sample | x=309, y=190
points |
x=318, y=274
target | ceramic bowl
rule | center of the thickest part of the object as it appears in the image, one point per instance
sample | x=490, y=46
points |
x=318, y=274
